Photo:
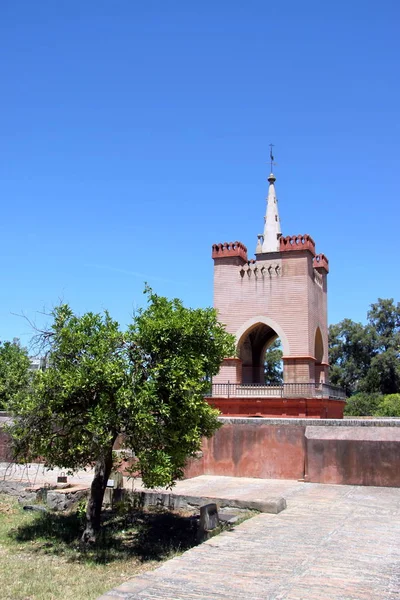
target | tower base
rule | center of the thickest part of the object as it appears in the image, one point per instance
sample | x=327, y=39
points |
x=315, y=408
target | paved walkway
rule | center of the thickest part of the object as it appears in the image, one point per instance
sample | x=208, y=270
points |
x=332, y=542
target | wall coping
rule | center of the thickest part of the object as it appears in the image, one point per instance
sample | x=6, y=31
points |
x=296, y=421
x=306, y=422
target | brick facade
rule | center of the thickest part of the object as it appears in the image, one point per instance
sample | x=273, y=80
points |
x=280, y=294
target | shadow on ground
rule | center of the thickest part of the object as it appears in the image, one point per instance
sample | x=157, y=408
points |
x=145, y=536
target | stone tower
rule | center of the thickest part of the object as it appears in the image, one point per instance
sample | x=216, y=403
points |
x=281, y=293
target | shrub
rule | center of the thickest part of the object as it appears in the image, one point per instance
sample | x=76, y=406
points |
x=363, y=405
x=389, y=406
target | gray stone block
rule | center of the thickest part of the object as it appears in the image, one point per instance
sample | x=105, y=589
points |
x=13, y=488
x=27, y=497
x=209, y=517
x=183, y=502
x=60, y=501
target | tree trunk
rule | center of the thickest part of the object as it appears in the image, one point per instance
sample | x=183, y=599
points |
x=102, y=472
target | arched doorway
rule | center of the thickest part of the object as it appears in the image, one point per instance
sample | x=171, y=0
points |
x=273, y=363
x=319, y=346
x=252, y=347
x=320, y=370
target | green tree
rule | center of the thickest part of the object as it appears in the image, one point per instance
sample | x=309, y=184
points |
x=384, y=373
x=14, y=371
x=366, y=358
x=351, y=349
x=273, y=371
x=384, y=317
x=147, y=383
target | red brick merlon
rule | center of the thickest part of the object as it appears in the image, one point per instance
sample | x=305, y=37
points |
x=297, y=242
x=321, y=263
x=229, y=249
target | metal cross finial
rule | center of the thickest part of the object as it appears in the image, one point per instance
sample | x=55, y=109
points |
x=271, y=155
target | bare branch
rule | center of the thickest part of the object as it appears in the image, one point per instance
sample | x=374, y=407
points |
x=40, y=341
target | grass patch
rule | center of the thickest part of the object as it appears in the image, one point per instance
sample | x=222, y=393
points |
x=41, y=557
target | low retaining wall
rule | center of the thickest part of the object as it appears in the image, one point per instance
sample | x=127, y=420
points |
x=176, y=501
x=353, y=455
x=348, y=451
x=253, y=448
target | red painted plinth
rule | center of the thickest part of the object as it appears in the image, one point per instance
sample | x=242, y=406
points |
x=315, y=408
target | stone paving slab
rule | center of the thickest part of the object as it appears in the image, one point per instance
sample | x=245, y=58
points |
x=245, y=493
x=203, y=486
x=176, y=501
x=332, y=542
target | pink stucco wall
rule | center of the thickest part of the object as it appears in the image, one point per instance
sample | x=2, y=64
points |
x=342, y=452
x=353, y=455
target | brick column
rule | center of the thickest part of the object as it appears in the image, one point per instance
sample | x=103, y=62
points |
x=231, y=370
x=321, y=372
x=298, y=369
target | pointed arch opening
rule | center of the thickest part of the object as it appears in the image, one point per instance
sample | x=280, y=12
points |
x=318, y=347
x=260, y=351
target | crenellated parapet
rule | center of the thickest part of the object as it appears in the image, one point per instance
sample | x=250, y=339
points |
x=297, y=242
x=229, y=249
x=320, y=262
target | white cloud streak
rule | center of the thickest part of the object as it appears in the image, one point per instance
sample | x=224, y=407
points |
x=145, y=277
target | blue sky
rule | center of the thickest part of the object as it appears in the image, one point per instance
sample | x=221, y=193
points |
x=134, y=135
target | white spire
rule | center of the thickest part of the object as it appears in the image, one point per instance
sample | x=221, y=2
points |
x=272, y=228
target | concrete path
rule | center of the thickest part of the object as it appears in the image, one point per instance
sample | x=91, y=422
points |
x=332, y=542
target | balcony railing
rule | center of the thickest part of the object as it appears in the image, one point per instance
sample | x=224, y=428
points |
x=287, y=390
